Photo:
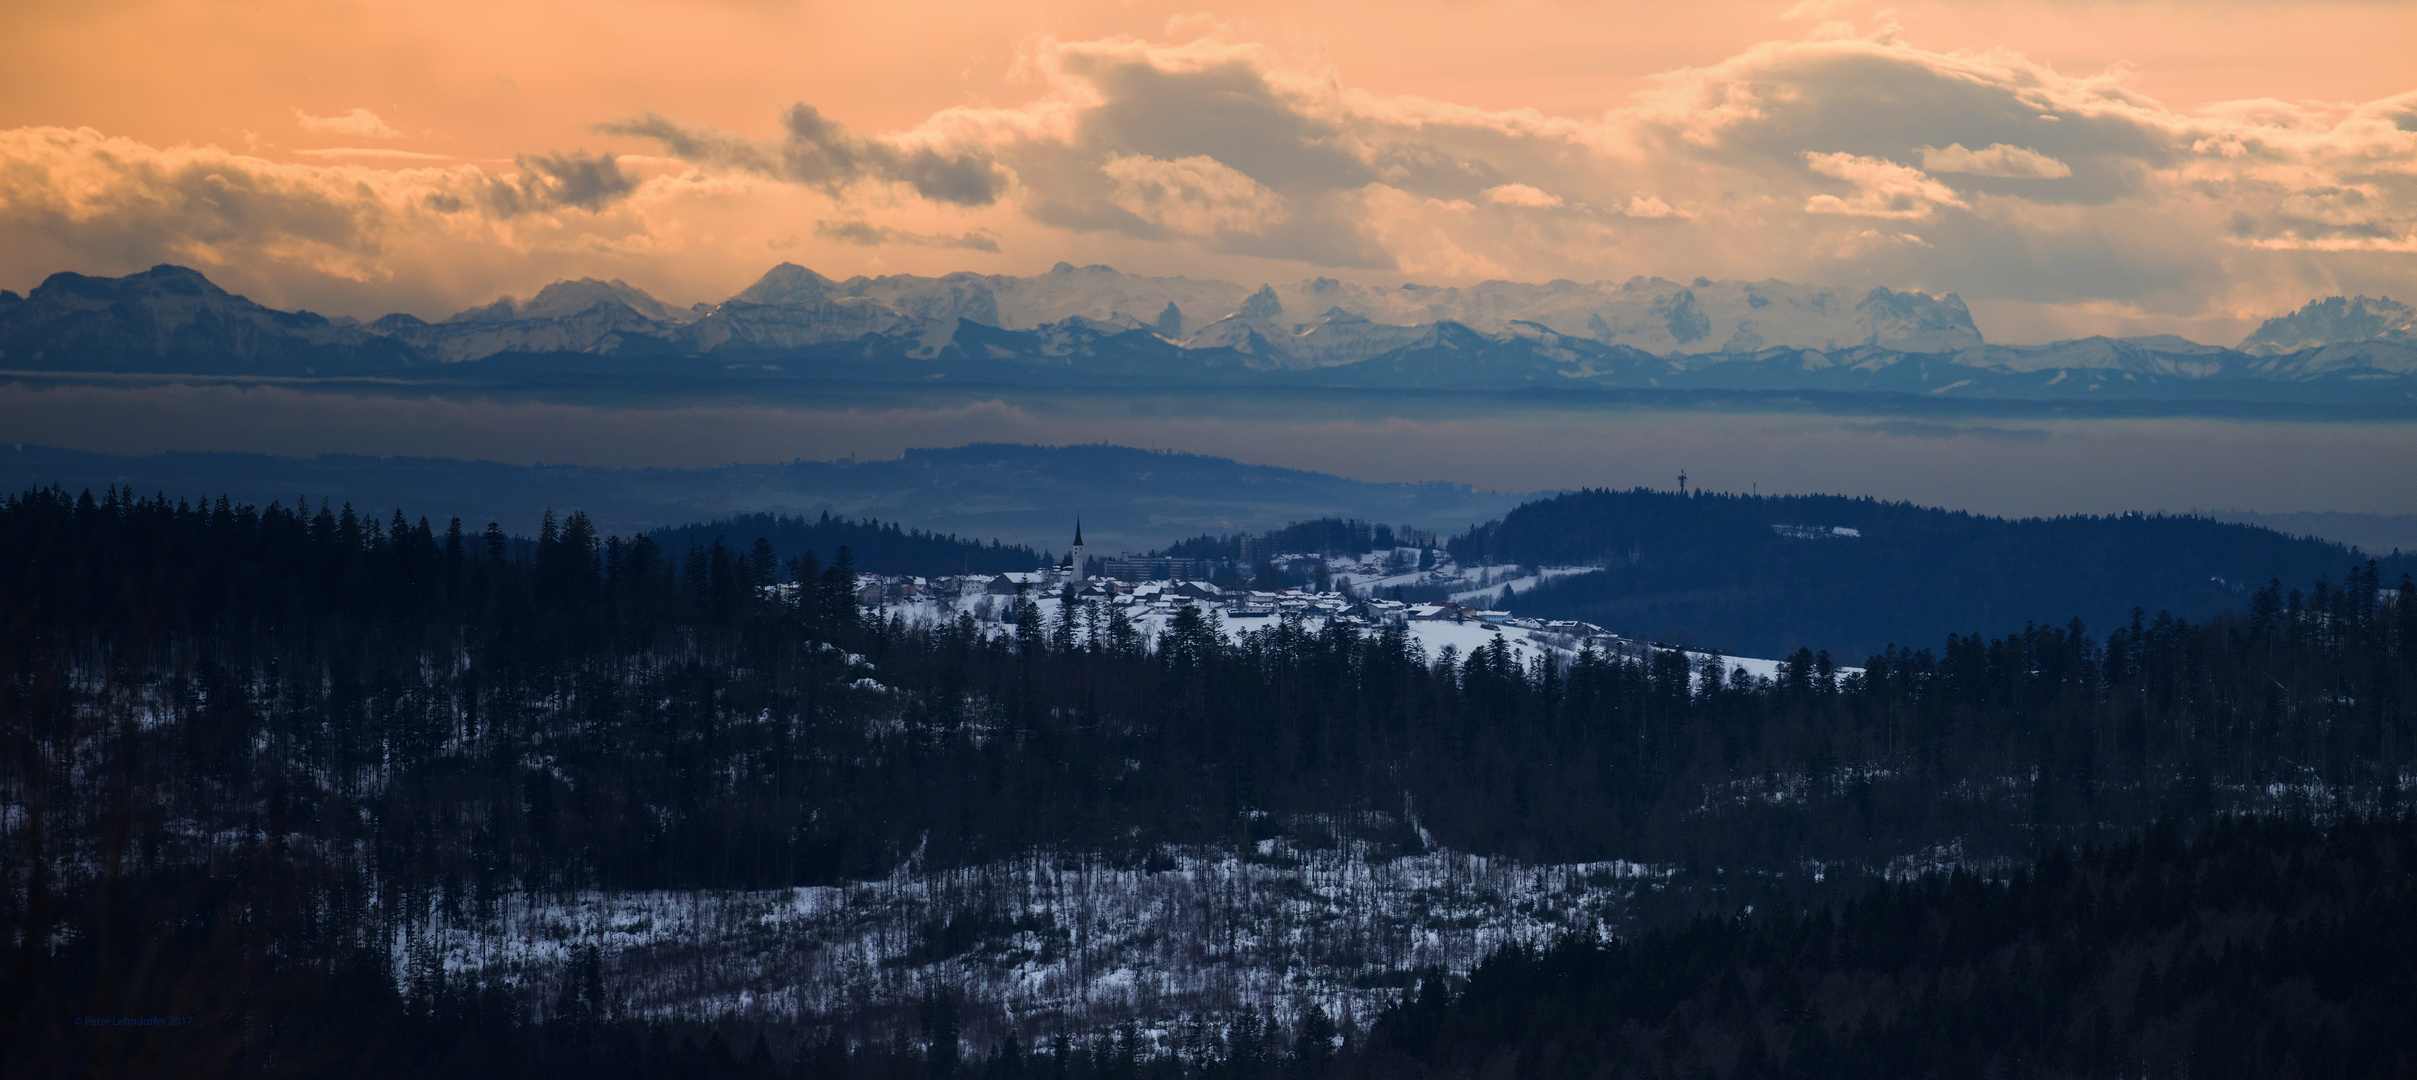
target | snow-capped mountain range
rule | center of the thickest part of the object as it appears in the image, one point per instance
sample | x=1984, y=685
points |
x=1097, y=324
x=2331, y=320
x=1320, y=322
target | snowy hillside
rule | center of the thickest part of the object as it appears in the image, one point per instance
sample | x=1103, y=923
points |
x=1469, y=621
x=1053, y=940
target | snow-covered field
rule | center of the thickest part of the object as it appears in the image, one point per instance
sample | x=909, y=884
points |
x=1050, y=941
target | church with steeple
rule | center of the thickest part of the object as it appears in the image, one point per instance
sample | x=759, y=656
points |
x=1074, y=561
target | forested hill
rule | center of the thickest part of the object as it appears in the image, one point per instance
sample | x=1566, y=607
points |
x=1763, y=576
x=2257, y=949
x=877, y=547
x=358, y=738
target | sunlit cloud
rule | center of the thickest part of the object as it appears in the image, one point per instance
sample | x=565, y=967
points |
x=1198, y=196
x=1523, y=195
x=357, y=124
x=77, y=199
x=2055, y=197
x=1646, y=206
x=1995, y=159
x=385, y=152
x=1882, y=189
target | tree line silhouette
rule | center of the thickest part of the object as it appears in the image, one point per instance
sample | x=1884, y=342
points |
x=1763, y=576
x=2257, y=948
x=280, y=737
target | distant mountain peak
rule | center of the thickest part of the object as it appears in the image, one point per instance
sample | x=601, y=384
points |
x=1686, y=322
x=2334, y=320
x=1261, y=305
x=174, y=318
x=787, y=283
x=1917, y=322
x=503, y=309
x=563, y=299
x=166, y=279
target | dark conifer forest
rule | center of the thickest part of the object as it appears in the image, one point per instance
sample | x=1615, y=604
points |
x=1763, y=576
x=876, y=547
x=244, y=744
x=2252, y=948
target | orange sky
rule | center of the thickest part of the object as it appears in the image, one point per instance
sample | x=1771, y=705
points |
x=473, y=85
x=494, y=77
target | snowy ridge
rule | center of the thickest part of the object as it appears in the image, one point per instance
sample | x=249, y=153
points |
x=792, y=306
x=2334, y=320
x=1096, y=326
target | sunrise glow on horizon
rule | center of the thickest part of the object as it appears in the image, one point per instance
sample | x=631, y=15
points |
x=2065, y=168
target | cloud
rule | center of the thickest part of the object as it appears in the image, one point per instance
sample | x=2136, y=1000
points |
x=383, y=152
x=2057, y=197
x=1883, y=189
x=1202, y=143
x=2359, y=217
x=699, y=145
x=1219, y=144
x=1523, y=195
x=577, y=179
x=1995, y=159
x=73, y=197
x=120, y=200
x=357, y=124
x=1813, y=9
x=820, y=152
x=866, y=234
x=1196, y=196
x=1648, y=207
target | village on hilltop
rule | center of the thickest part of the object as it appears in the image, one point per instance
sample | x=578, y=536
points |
x=1441, y=604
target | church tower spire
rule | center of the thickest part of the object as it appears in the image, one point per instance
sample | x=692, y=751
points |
x=1076, y=556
